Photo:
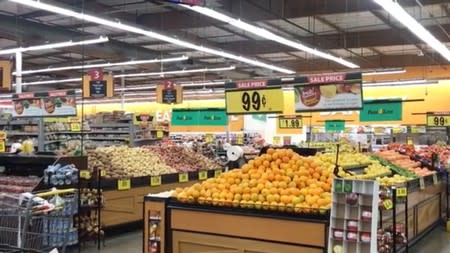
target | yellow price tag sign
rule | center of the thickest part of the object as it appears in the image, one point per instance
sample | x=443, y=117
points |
x=209, y=138
x=289, y=123
x=2, y=135
x=239, y=139
x=422, y=183
x=402, y=192
x=202, y=175
x=2, y=146
x=103, y=173
x=183, y=177
x=388, y=205
x=85, y=174
x=123, y=184
x=254, y=101
x=217, y=173
x=397, y=130
x=159, y=134
x=155, y=181
x=438, y=120
x=276, y=140
x=75, y=127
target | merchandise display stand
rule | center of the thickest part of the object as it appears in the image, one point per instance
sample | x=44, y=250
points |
x=183, y=228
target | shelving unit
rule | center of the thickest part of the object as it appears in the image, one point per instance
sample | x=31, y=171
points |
x=354, y=216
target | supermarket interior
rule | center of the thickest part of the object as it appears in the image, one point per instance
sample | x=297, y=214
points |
x=225, y=126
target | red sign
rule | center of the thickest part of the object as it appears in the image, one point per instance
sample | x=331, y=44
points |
x=327, y=78
x=25, y=95
x=251, y=84
x=57, y=93
x=96, y=74
x=169, y=85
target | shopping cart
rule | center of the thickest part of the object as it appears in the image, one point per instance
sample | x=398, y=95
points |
x=27, y=222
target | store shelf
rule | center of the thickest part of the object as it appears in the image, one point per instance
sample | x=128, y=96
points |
x=9, y=133
x=114, y=125
x=107, y=138
x=146, y=139
x=109, y=132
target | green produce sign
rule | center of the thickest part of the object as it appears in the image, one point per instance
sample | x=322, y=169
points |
x=332, y=126
x=199, y=117
x=381, y=111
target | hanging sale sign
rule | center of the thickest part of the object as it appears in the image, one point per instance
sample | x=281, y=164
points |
x=290, y=122
x=438, y=119
x=328, y=92
x=382, y=110
x=254, y=96
x=334, y=126
x=51, y=103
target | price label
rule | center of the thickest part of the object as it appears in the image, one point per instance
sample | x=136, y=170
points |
x=435, y=178
x=397, y=130
x=217, y=173
x=239, y=139
x=85, y=174
x=438, y=120
x=402, y=192
x=155, y=181
x=183, y=177
x=202, y=175
x=254, y=101
x=159, y=134
x=2, y=146
x=123, y=184
x=102, y=173
x=422, y=183
x=209, y=138
x=75, y=127
x=286, y=123
x=2, y=135
x=276, y=140
x=388, y=205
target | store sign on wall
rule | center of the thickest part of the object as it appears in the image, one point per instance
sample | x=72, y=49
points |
x=389, y=110
x=438, y=119
x=254, y=96
x=328, y=92
x=52, y=103
x=334, y=126
x=199, y=117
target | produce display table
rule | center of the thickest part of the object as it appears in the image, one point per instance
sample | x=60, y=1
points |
x=124, y=206
x=173, y=227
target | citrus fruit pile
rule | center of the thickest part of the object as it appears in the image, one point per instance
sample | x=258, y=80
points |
x=279, y=180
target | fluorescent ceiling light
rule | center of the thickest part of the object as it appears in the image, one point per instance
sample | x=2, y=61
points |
x=384, y=72
x=69, y=43
x=195, y=84
x=103, y=65
x=70, y=80
x=187, y=84
x=155, y=35
x=395, y=83
x=394, y=9
x=261, y=32
x=175, y=72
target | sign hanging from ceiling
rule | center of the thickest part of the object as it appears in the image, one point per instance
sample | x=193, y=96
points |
x=328, y=92
x=97, y=85
x=254, y=96
x=438, y=119
x=381, y=110
x=290, y=122
x=199, y=117
x=5, y=75
x=40, y=104
x=334, y=126
x=169, y=93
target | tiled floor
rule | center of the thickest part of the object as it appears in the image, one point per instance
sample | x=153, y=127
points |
x=438, y=241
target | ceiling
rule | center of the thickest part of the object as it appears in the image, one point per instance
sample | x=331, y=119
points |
x=357, y=30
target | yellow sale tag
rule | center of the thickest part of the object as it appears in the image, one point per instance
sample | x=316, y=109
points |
x=123, y=184
x=289, y=123
x=254, y=101
x=239, y=139
x=388, y=204
x=202, y=175
x=2, y=146
x=438, y=120
x=402, y=192
x=155, y=181
x=159, y=134
x=75, y=127
x=2, y=135
x=276, y=140
x=209, y=138
x=85, y=174
x=183, y=177
x=102, y=173
x=421, y=183
x=217, y=173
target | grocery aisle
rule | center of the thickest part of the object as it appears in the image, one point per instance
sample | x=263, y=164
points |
x=438, y=241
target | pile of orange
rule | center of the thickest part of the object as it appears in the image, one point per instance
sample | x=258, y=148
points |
x=279, y=180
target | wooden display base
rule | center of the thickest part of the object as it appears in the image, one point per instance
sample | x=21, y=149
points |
x=197, y=229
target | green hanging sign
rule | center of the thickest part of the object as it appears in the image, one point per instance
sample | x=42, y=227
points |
x=199, y=117
x=381, y=111
x=333, y=126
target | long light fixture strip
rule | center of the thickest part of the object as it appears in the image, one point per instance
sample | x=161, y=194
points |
x=155, y=35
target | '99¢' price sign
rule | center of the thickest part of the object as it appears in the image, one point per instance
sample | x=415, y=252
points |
x=438, y=120
x=254, y=101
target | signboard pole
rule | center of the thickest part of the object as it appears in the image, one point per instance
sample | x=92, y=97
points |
x=18, y=72
x=122, y=94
